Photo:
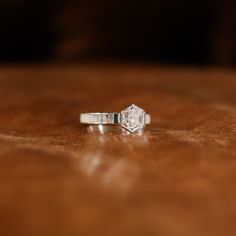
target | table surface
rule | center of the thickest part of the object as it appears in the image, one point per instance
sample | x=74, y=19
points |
x=60, y=178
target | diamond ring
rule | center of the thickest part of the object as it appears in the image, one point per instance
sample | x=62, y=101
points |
x=132, y=118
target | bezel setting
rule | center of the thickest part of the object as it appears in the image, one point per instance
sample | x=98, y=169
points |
x=132, y=118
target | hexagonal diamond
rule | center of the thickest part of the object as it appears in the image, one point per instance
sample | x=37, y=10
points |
x=133, y=118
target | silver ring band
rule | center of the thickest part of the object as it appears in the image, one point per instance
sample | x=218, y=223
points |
x=132, y=118
x=104, y=118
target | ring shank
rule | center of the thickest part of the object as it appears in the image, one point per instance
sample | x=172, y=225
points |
x=105, y=118
x=100, y=118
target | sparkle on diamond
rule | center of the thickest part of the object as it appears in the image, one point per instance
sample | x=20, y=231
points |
x=133, y=118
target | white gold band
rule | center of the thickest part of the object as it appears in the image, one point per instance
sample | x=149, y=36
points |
x=105, y=118
x=132, y=118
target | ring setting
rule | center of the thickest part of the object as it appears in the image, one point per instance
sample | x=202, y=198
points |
x=131, y=118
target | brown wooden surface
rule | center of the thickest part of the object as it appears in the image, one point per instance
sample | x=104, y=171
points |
x=60, y=178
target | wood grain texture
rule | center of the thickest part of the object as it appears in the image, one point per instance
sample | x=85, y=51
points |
x=60, y=178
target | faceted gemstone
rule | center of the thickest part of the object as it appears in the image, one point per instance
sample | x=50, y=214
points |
x=133, y=118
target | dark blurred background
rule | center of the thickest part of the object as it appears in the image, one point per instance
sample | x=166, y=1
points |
x=166, y=31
